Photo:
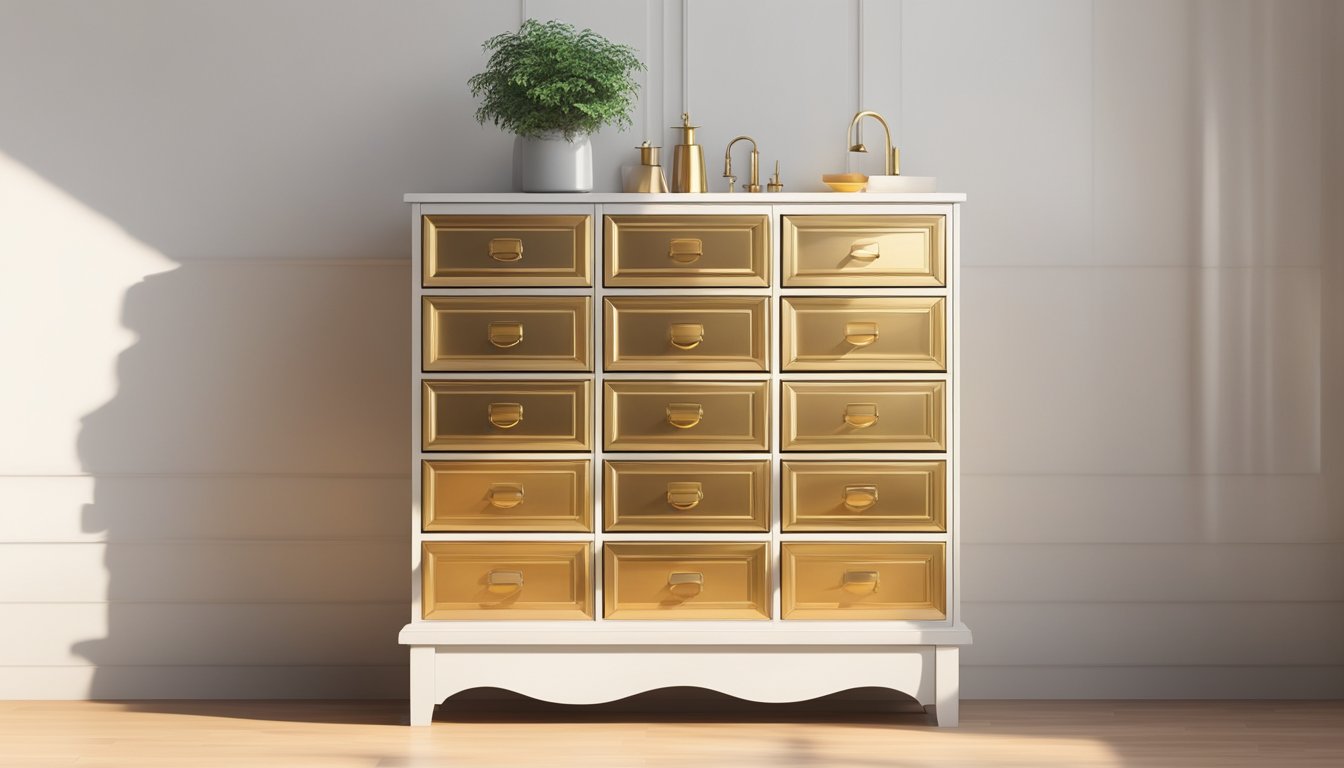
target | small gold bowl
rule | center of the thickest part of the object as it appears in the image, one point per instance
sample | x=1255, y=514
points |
x=845, y=182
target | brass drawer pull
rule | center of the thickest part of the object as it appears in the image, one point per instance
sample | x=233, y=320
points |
x=684, y=415
x=506, y=249
x=505, y=334
x=686, y=584
x=684, y=495
x=861, y=582
x=867, y=250
x=861, y=415
x=861, y=334
x=686, y=335
x=506, y=415
x=684, y=250
x=506, y=495
x=504, y=581
x=859, y=497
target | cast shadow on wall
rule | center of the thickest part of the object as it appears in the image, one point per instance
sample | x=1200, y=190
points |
x=249, y=482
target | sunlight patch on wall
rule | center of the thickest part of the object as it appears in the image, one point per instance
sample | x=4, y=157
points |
x=65, y=270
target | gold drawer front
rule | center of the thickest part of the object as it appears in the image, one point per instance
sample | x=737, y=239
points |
x=498, y=333
x=687, y=496
x=864, y=496
x=506, y=415
x=863, y=416
x=686, y=416
x=864, y=334
x=870, y=581
x=708, y=250
x=719, y=580
x=871, y=250
x=507, y=495
x=507, y=250
x=677, y=333
x=507, y=580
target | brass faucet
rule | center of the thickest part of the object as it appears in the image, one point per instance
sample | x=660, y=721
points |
x=892, y=155
x=755, y=184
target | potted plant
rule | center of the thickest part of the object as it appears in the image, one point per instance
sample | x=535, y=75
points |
x=553, y=86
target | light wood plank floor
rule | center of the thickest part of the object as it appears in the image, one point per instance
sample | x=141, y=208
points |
x=668, y=729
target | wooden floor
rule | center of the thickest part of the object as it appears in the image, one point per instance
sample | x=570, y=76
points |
x=664, y=728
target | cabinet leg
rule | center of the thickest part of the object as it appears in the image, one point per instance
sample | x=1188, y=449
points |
x=947, y=685
x=422, y=684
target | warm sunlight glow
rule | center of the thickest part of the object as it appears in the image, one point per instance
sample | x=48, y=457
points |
x=65, y=271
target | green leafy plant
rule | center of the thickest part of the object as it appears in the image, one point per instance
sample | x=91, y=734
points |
x=549, y=78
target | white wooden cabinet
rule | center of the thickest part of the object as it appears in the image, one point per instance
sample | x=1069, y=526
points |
x=685, y=440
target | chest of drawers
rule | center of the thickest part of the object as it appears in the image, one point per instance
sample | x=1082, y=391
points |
x=685, y=440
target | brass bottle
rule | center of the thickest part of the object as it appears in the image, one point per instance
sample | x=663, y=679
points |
x=688, y=160
x=648, y=175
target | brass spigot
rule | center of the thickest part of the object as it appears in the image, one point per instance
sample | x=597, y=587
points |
x=892, y=155
x=755, y=184
x=775, y=184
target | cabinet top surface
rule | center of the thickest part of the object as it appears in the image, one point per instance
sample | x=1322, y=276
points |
x=762, y=198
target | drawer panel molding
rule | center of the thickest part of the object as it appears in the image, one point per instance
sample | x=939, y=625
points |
x=680, y=333
x=701, y=580
x=507, y=250
x=502, y=580
x=499, y=333
x=507, y=495
x=644, y=250
x=831, y=333
x=643, y=415
x=863, y=416
x=686, y=496
x=871, y=250
x=506, y=415
x=864, y=496
x=863, y=580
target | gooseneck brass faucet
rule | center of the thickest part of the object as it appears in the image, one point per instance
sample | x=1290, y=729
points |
x=755, y=184
x=891, y=155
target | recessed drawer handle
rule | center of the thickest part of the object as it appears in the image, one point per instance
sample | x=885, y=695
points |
x=504, y=581
x=505, y=334
x=861, y=334
x=684, y=415
x=684, y=495
x=686, y=335
x=684, y=250
x=506, y=495
x=861, y=415
x=859, y=497
x=506, y=415
x=506, y=249
x=865, y=249
x=860, y=581
x=686, y=584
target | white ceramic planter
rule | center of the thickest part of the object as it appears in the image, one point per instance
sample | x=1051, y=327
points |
x=552, y=164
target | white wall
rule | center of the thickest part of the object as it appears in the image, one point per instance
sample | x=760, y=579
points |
x=203, y=484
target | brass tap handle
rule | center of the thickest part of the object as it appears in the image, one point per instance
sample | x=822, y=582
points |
x=684, y=415
x=505, y=495
x=861, y=334
x=685, y=250
x=686, y=584
x=861, y=582
x=686, y=335
x=684, y=495
x=860, y=497
x=505, y=334
x=504, y=581
x=866, y=250
x=506, y=415
x=506, y=249
x=861, y=415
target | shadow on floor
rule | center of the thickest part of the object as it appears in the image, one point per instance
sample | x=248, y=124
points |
x=858, y=706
